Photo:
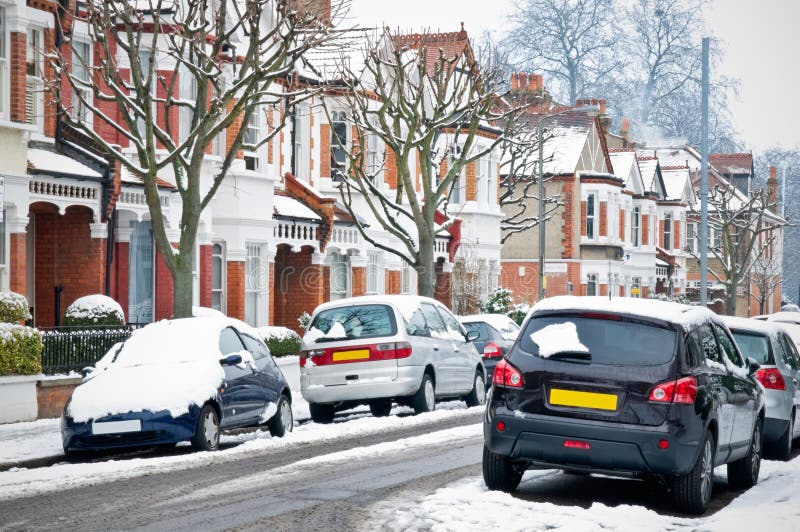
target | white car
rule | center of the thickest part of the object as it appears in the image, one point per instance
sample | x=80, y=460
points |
x=378, y=350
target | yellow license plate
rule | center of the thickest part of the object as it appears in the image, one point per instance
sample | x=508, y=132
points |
x=357, y=354
x=598, y=401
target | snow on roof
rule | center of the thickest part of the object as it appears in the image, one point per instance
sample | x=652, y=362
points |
x=647, y=167
x=675, y=180
x=623, y=161
x=126, y=176
x=648, y=308
x=732, y=163
x=44, y=161
x=749, y=324
x=563, y=149
x=291, y=208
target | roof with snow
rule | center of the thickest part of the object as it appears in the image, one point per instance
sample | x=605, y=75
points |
x=129, y=178
x=648, y=166
x=677, y=183
x=287, y=207
x=49, y=162
x=732, y=163
x=625, y=166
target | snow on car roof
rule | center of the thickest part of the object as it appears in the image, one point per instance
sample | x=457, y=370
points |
x=786, y=317
x=498, y=321
x=648, y=308
x=750, y=324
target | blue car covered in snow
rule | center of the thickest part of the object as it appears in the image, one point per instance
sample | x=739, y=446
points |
x=178, y=380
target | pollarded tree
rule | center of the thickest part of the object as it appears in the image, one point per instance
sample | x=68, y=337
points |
x=743, y=231
x=427, y=105
x=170, y=77
x=766, y=276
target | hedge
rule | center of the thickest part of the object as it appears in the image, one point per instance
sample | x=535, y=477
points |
x=95, y=309
x=281, y=341
x=13, y=307
x=20, y=350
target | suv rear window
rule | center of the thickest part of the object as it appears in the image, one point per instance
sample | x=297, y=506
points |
x=350, y=323
x=754, y=345
x=611, y=341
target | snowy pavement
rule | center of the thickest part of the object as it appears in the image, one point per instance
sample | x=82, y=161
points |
x=773, y=504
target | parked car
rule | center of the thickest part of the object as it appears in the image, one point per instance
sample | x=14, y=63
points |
x=496, y=335
x=769, y=345
x=625, y=387
x=786, y=317
x=378, y=350
x=178, y=380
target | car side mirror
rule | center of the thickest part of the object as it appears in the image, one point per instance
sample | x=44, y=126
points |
x=472, y=336
x=752, y=365
x=88, y=370
x=231, y=360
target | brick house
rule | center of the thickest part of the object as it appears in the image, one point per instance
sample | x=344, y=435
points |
x=272, y=244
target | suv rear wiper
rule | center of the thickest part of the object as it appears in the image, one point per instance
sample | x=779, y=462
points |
x=583, y=355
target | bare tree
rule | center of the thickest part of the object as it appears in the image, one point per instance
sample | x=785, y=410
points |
x=767, y=277
x=570, y=40
x=743, y=231
x=426, y=105
x=213, y=64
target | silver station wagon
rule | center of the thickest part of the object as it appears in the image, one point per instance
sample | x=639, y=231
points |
x=378, y=350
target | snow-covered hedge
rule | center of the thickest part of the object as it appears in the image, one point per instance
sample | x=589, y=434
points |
x=518, y=312
x=498, y=302
x=95, y=309
x=280, y=340
x=13, y=307
x=20, y=350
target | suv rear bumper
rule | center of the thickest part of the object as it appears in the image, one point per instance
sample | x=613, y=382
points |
x=616, y=447
x=407, y=383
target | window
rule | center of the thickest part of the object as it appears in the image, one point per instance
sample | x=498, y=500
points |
x=187, y=87
x=229, y=342
x=373, y=273
x=34, y=85
x=692, y=237
x=256, y=347
x=591, y=284
x=667, y=231
x=790, y=352
x=252, y=130
x=456, y=195
x=491, y=186
x=218, y=277
x=635, y=220
x=590, y=216
x=481, y=178
x=3, y=62
x=338, y=144
x=255, y=286
x=373, y=160
x=728, y=346
x=434, y=321
x=408, y=278
x=140, y=273
x=359, y=321
x=340, y=278
x=3, y=263
x=451, y=324
x=714, y=238
x=709, y=344
x=81, y=65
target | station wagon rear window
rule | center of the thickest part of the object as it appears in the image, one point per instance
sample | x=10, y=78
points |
x=753, y=345
x=352, y=323
x=610, y=341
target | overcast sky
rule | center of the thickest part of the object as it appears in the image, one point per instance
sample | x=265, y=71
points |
x=761, y=40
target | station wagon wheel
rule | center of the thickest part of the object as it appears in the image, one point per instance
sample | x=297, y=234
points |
x=206, y=434
x=425, y=398
x=743, y=473
x=321, y=413
x=380, y=407
x=477, y=396
x=692, y=491
x=283, y=420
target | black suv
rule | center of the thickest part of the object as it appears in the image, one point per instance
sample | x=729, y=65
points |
x=626, y=387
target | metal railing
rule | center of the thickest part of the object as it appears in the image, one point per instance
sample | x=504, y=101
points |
x=69, y=349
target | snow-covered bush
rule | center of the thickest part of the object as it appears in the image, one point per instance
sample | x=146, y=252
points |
x=20, y=350
x=13, y=307
x=304, y=320
x=96, y=309
x=518, y=312
x=280, y=340
x=498, y=302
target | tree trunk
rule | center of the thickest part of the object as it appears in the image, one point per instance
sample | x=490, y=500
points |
x=182, y=282
x=425, y=270
x=730, y=301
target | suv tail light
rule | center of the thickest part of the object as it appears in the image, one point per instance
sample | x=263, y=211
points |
x=306, y=353
x=393, y=351
x=507, y=375
x=681, y=391
x=771, y=378
x=492, y=350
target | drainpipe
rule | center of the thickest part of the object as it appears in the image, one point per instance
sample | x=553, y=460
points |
x=58, y=289
x=112, y=223
x=292, y=161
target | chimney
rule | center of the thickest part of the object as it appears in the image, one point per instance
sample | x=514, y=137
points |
x=533, y=82
x=625, y=126
x=772, y=185
x=523, y=81
x=514, y=81
x=603, y=106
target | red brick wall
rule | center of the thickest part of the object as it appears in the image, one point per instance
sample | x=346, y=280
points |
x=390, y=171
x=120, y=275
x=66, y=255
x=603, y=218
x=392, y=281
x=164, y=289
x=325, y=150
x=645, y=292
x=622, y=224
x=583, y=218
x=205, y=276
x=525, y=287
x=661, y=233
x=359, y=281
x=234, y=292
x=442, y=291
x=603, y=289
x=300, y=286
x=17, y=263
x=567, y=238
x=17, y=76
x=51, y=399
x=676, y=235
x=326, y=283
x=50, y=106
x=645, y=229
x=471, y=181
x=271, y=296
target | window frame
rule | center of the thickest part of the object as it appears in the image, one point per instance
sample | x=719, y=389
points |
x=591, y=281
x=338, y=142
x=339, y=265
x=5, y=71
x=668, y=231
x=373, y=273
x=34, y=82
x=636, y=224
x=254, y=269
x=222, y=276
x=79, y=112
x=591, y=215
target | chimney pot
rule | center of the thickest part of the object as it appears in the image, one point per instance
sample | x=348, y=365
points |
x=625, y=126
x=533, y=82
x=514, y=81
x=773, y=172
x=523, y=81
x=602, y=107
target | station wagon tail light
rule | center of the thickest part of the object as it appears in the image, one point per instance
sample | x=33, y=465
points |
x=507, y=375
x=492, y=350
x=577, y=444
x=771, y=378
x=682, y=391
x=305, y=353
x=393, y=350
